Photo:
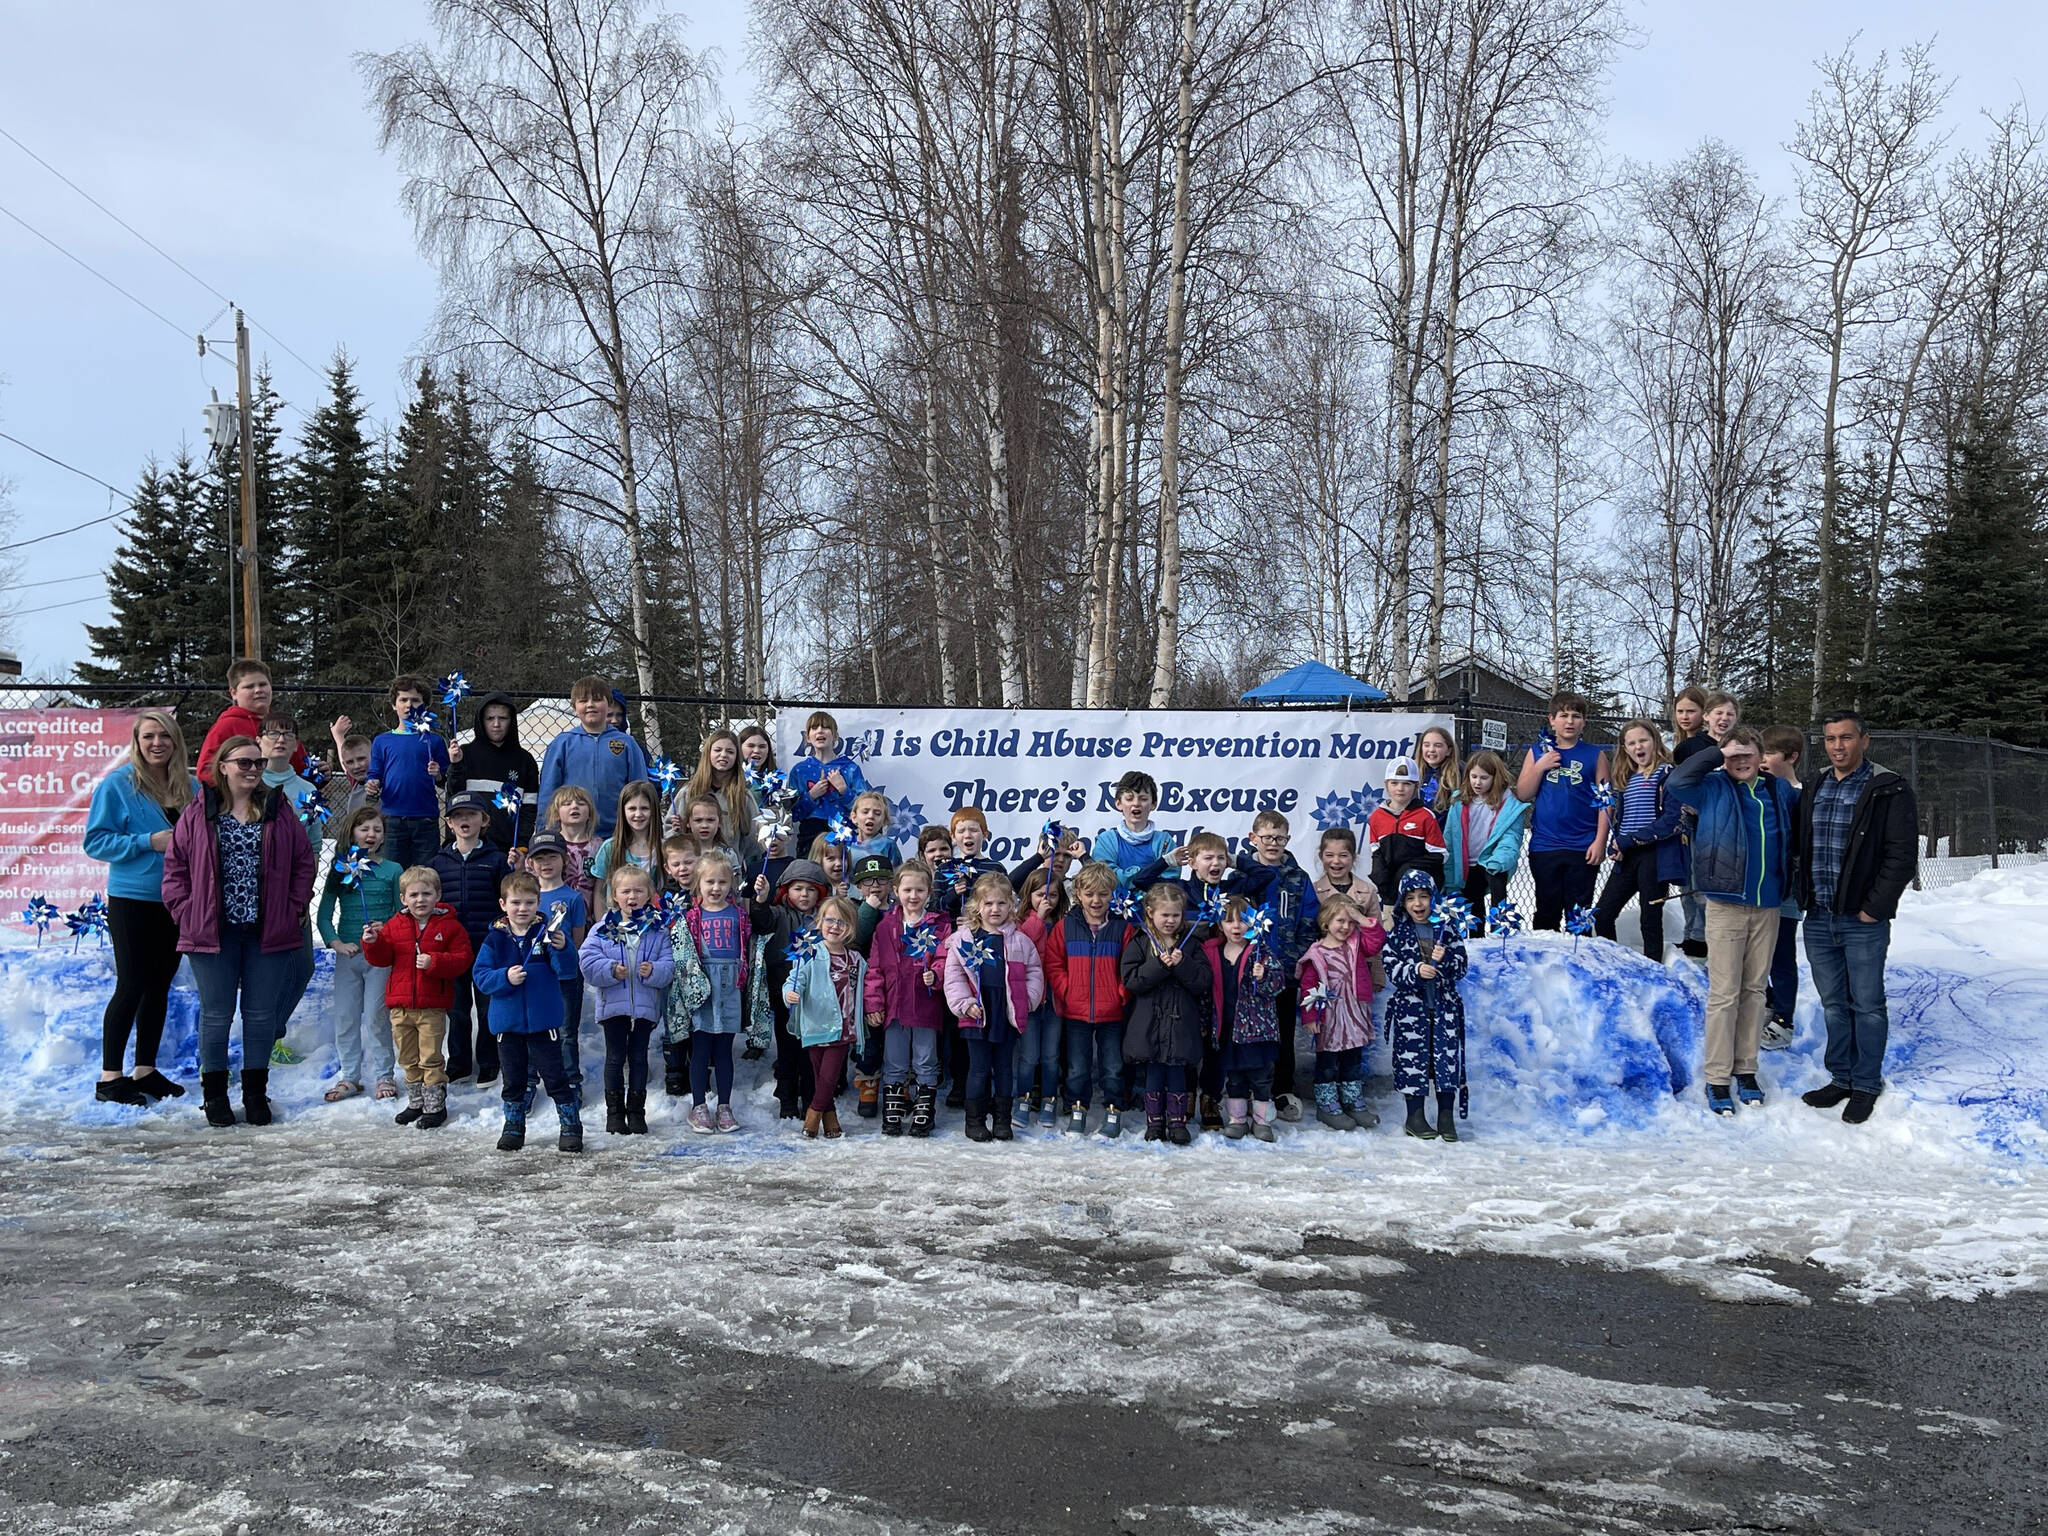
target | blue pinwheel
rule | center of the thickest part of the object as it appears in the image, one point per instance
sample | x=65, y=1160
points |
x=947, y=872
x=775, y=824
x=977, y=951
x=1051, y=835
x=840, y=833
x=312, y=809
x=39, y=914
x=353, y=865
x=1317, y=996
x=1258, y=926
x=1603, y=795
x=89, y=919
x=1455, y=913
x=509, y=801
x=1207, y=914
x=1504, y=918
x=921, y=941
x=859, y=748
x=803, y=946
x=1125, y=903
x=315, y=775
x=1578, y=922
x=418, y=721
x=454, y=689
x=674, y=904
x=665, y=772
x=768, y=784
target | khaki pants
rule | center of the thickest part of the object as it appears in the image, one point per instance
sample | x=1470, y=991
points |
x=417, y=1034
x=1740, y=942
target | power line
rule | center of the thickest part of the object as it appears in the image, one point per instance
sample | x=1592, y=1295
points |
x=56, y=581
x=138, y=234
x=76, y=602
x=95, y=271
x=52, y=458
x=39, y=538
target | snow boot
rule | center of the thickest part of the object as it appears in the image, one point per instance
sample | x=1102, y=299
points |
x=1155, y=1117
x=1330, y=1110
x=869, y=1089
x=1049, y=1113
x=213, y=1098
x=977, y=1120
x=1447, y=1116
x=924, y=1109
x=1352, y=1097
x=614, y=1112
x=1077, y=1120
x=256, y=1096
x=513, y=1137
x=895, y=1104
x=415, y=1104
x=1720, y=1100
x=1112, y=1123
x=1747, y=1089
x=117, y=1090
x=676, y=1078
x=1177, y=1119
x=1777, y=1033
x=1860, y=1106
x=571, y=1118
x=636, y=1112
x=1212, y=1114
x=1262, y=1120
x=1825, y=1097
x=1235, y=1128
x=1001, y=1130
x=1418, y=1124
x=436, y=1114
x=812, y=1121
x=831, y=1123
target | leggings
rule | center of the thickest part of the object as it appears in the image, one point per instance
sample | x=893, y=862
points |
x=711, y=1054
x=625, y=1054
x=1166, y=1077
x=828, y=1065
x=145, y=960
x=1635, y=875
x=1482, y=889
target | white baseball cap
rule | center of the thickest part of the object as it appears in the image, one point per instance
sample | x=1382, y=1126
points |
x=1403, y=772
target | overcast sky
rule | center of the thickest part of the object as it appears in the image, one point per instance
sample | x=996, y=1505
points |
x=235, y=136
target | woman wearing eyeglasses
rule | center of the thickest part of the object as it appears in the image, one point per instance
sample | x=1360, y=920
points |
x=237, y=876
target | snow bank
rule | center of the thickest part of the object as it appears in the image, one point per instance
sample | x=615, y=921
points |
x=1588, y=1138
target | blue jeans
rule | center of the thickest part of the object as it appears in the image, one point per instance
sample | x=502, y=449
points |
x=410, y=840
x=1038, y=1058
x=1166, y=1077
x=572, y=1027
x=988, y=1063
x=362, y=1024
x=1095, y=1052
x=239, y=968
x=908, y=1052
x=1846, y=956
x=292, y=988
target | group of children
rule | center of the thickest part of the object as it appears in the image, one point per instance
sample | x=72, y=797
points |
x=475, y=899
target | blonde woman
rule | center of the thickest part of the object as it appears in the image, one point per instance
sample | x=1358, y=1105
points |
x=128, y=830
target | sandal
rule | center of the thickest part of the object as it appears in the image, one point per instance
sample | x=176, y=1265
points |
x=343, y=1090
x=387, y=1088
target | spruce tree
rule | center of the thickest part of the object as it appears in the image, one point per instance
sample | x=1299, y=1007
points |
x=1965, y=645
x=339, y=542
x=167, y=586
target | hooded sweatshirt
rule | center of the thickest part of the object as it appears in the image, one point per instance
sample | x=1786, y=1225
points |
x=488, y=767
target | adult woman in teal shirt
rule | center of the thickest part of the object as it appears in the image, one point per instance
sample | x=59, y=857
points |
x=127, y=830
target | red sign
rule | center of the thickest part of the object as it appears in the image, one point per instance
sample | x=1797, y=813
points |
x=50, y=762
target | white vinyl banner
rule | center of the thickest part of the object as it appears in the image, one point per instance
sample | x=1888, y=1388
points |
x=1215, y=770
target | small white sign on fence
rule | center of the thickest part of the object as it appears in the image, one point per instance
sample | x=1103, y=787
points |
x=1493, y=735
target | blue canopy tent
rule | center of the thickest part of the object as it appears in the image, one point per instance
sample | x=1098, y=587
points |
x=1313, y=683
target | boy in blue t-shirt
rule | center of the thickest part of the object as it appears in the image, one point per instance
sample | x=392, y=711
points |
x=592, y=754
x=1137, y=843
x=1568, y=830
x=547, y=856
x=404, y=778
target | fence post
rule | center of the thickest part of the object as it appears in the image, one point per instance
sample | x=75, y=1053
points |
x=1991, y=795
x=1913, y=778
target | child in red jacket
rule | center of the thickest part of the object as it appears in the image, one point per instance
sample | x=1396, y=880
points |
x=426, y=949
x=250, y=693
x=1081, y=954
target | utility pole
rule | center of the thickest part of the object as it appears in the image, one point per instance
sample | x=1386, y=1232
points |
x=252, y=583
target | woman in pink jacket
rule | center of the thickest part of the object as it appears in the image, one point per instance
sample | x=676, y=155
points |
x=993, y=981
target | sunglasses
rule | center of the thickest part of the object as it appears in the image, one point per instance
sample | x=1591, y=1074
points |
x=242, y=762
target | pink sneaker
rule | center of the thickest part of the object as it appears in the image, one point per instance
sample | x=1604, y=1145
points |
x=700, y=1119
x=726, y=1123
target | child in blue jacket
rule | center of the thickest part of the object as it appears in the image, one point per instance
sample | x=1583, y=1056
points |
x=1645, y=844
x=827, y=782
x=514, y=969
x=629, y=959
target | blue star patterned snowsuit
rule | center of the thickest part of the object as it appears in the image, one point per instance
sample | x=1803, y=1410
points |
x=1425, y=1017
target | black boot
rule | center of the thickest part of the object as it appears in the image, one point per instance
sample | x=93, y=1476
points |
x=155, y=1085
x=415, y=1104
x=676, y=1080
x=1155, y=1117
x=513, y=1137
x=118, y=1090
x=614, y=1112
x=636, y=1112
x=256, y=1096
x=1177, y=1119
x=1001, y=1130
x=1827, y=1096
x=1418, y=1124
x=895, y=1100
x=1447, y=1116
x=571, y=1118
x=436, y=1113
x=213, y=1098
x=977, y=1120
x=924, y=1109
